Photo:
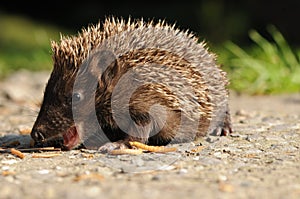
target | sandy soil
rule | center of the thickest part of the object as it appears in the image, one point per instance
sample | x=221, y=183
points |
x=261, y=159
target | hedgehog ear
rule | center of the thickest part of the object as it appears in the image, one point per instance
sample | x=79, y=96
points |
x=102, y=60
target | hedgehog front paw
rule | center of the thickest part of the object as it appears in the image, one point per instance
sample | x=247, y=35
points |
x=222, y=131
x=226, y=130
x=110, y=146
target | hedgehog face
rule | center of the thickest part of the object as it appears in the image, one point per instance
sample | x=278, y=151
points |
x=68, y=108
x=54, y=124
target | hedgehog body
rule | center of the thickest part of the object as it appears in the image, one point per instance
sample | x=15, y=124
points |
x=132, y=81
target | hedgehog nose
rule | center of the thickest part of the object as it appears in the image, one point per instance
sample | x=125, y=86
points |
x=37, y=135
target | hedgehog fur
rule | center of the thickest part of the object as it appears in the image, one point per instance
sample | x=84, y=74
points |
x=178, y=72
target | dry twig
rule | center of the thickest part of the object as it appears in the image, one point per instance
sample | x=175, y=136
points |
x=17, y=153
x=157, y=149
x=8, y=150
x=49, y=155
x=126, y=151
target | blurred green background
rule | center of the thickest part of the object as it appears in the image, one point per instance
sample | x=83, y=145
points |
x=257, y=42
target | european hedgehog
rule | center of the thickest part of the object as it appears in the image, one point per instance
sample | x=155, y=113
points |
x=121, y=81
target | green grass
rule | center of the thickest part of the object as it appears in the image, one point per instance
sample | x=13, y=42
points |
x=267, y=67
x=25, y=44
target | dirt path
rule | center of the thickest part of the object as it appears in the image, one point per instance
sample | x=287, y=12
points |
x=260, y=160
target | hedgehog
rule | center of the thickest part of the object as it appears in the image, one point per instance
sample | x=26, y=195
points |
x=131, y=80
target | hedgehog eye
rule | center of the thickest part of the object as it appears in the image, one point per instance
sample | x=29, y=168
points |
x=76, y=97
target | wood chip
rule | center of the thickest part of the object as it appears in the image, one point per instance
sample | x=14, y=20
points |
x=89, y=156
x=126, y=152
x=7, y=173
x=157, y=149
x=197, y=149
x=43, y=155
x=226, y=187
x=25, y=131
x=17, y=153
x=250, y=155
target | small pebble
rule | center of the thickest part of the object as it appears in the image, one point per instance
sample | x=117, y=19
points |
x=43, y=172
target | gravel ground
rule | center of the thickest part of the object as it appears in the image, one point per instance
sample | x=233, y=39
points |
x=260, y=159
